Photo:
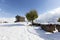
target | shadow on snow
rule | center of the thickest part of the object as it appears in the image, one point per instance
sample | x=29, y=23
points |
x=47, y=36
x=10, y=25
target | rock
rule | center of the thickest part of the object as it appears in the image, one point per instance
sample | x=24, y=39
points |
x=48, y=27
x=58, y=27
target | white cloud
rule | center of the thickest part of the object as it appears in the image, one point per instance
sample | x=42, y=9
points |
x=50, y=16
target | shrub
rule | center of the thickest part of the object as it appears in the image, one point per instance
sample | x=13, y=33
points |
x=5, y=22
x=36, y=24
x=17, y=18
x=58, y=20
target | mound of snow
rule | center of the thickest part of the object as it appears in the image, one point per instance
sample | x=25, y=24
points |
x=50, y=16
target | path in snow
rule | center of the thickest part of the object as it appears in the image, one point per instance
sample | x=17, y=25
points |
x=9, y=32
x=23, y=32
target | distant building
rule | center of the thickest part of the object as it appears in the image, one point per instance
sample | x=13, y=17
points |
x=22, y=19
x=19, y=18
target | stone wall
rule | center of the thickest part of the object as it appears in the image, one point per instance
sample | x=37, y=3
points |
x=48, y=27
x=58, y=27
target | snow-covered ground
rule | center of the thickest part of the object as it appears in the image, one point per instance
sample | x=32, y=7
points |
x=20, y=31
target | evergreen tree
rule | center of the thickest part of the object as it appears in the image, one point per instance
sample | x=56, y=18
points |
x=58, y=19
x=17, y=18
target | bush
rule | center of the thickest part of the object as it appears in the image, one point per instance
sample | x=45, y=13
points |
x=48, y=27
x=5, y=22
x=17, y=18
x=58, y=20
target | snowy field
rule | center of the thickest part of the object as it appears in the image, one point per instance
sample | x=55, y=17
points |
x=20, y=31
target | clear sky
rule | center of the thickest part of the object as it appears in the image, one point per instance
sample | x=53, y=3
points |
x=11, y=8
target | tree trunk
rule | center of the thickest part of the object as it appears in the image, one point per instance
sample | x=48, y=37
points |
x=32, y=22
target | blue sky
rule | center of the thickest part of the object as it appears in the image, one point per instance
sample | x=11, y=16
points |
x=11, y=8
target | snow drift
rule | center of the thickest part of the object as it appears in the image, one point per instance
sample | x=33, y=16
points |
x=50, y=16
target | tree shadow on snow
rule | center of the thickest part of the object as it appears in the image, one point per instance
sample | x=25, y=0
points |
x=42, y=34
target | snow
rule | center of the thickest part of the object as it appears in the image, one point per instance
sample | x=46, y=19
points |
x=45, y=35
x=49, y=16
x=9, y=20
x=21, y=31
